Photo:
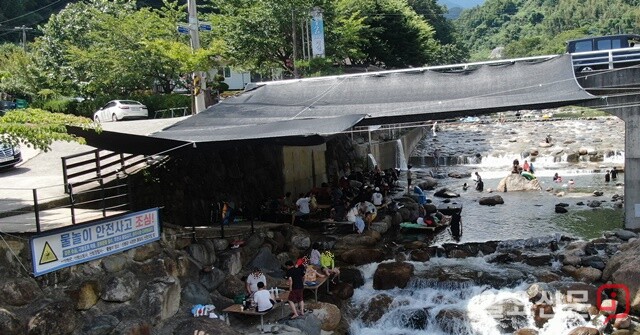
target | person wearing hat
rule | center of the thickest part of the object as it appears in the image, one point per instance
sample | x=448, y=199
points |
x=376, y=197
x=253, y=279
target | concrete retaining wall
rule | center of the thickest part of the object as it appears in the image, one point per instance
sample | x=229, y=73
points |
x=386, y=153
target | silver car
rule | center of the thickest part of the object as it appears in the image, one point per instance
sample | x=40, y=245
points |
x=116, y=110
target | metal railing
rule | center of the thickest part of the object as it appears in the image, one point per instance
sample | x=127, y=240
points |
x=605, y=59
x=45, y=208
x=171, y=112
x=89, y=169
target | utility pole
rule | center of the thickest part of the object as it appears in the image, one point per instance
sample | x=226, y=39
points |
x=24, y=35
x=198, y=80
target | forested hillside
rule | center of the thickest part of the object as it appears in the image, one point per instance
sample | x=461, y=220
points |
x=537, y=27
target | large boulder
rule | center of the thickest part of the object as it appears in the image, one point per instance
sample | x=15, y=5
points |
x=309, y=324
x=145, y=252
x=376, y=308
x=328, y=314
x=584, y=331
x=230, y=261
x=195, y=293
x=300, y=239
x=587, y=274
x=120, y=287
x=100, y=325
x=56, y=318
x=115, y=263
x=428, y=183
x=452, y=321
x=342, y=291
x=510, y=315
x=352, y=240
x=390, y=275
x=212, y=278
x=86, y=296
x=200, y=253
x=231, y=287
x=352, y=276
x=19, y=291
x=491, y=201
x=362, y=256
x=542, y=313
x=622, y=269
x=161, y=299
x=446, y=193
x=417, y=318
x=266, y=261
x=516, y=182
x=9, y=323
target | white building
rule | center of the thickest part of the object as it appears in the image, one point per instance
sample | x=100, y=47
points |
x=235, y=79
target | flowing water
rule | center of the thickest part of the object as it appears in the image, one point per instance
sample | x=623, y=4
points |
x=490, y=149
x=424, y=306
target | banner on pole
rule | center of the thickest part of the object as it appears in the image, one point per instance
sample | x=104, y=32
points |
x=317, y=33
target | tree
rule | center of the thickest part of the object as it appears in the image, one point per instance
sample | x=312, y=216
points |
x=39, y=128
x=397, y=36
x=112, y=48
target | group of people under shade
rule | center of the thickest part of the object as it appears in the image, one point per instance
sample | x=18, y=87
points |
x=345, y=200
x=306, y=271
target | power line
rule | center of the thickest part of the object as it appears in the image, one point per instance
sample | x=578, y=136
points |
x=31, y=12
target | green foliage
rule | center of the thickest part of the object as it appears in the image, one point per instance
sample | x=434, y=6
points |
x=318, y=66
x=39, y=128
x=156, y=102
x=102, y=47
x=65, y=106
x=536, y=27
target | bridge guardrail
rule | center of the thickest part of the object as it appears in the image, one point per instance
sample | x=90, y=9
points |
x=605, y=59
x=171, y=112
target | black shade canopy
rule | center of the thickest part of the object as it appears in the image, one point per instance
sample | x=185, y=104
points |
x=303, y=112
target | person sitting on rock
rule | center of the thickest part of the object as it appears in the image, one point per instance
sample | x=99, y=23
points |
x=328, y=266
x=311, y=275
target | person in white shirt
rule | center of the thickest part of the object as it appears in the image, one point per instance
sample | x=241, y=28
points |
x=253, y=279
x=263, y=299
x=376, y=197
x=355, y=215
x=303, y=207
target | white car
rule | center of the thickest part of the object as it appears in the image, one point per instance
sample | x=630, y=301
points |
x=116, y=110
x=10, y=155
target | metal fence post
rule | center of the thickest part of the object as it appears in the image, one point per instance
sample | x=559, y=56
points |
x=65, y=177
x=72, y=202
x=36, y=209
x=104, y=202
